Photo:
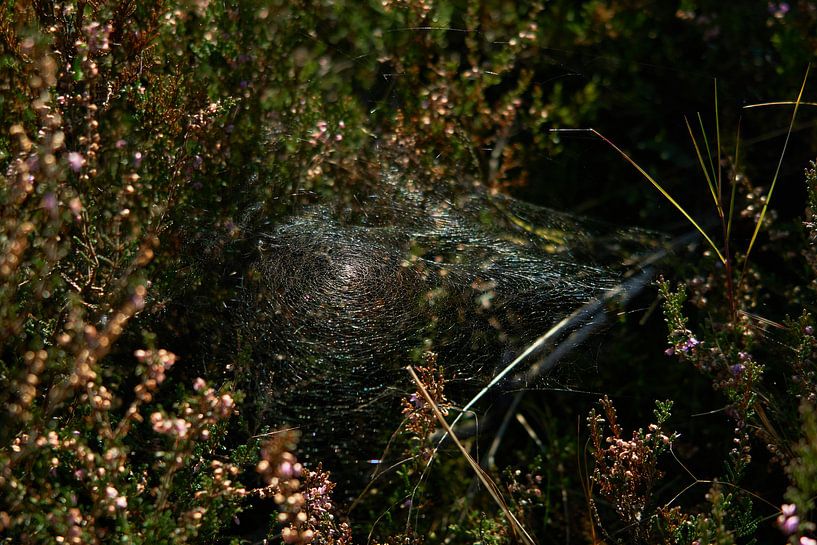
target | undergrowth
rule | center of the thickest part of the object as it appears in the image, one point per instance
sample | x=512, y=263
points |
x=136, y=135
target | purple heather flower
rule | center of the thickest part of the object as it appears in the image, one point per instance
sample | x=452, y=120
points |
x=808, y=330
x=779, y=10
x=691, y=343
x=669, y=351
x=788, y=521
x=285, y=470
x=137, y=159
x=790, y=525
x=50, y=202
x=737, y=369
x=76, y=161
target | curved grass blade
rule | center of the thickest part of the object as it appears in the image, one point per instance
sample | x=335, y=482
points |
x=706, y=146
x=734, y=186
x=718, y=149
x=776, y=175
x=493, y=490
x=778, y=103
x=655, y=184
x=703, y=166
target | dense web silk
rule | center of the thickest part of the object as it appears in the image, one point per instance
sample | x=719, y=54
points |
x=338, y=300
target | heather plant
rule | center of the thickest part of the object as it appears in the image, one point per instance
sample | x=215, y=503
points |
x=304, y=497
x=104, y=140
x=626, y=470
x=728, y=346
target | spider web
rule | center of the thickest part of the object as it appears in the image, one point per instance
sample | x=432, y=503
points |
x=339, y=299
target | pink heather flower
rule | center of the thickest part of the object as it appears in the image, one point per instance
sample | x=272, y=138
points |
x=76, y=161
x=790, y=525
x=181, y=426
x=121, y=143
x=121, y=502
x=199, y=384
x=160, y=424
x=137, y=159
x=227, y=404
x=167, y=358
x=285, y=470
x=75, y=205
x=111, y=492
x=161, y=427
x=788, y=509
x=779, y=10
x=807, y=541
x=98, y=36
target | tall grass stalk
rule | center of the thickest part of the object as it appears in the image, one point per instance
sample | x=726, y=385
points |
x=493, y=490
x=714, y=182
x=774, y=179
x=655, y=184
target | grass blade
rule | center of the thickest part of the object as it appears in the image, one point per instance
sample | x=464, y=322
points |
x=718, y=145
x=654, y=183
x=703, y=166
x=778, y=103
x=517, y=527
x=706, y=145
x=734, y=185
x=776, y=174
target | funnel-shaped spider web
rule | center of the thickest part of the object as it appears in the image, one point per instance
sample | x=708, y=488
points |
x=339, y=300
